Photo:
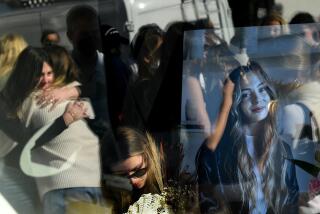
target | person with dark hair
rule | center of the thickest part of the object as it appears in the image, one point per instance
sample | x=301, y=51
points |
x=9, y=105
x=142, y=90
x=248, y=170
x=83, y=30
x=146, y=49
x=117, y=72
x=246, y=13
x=50, y=37
x=72, y=159
x=18, y=188
x=273, y=25
x=84, y=33
x=304, y=24
x=11, y=46
x=302, y=18
x=164, y=118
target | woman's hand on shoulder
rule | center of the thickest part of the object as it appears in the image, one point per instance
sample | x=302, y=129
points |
x=74, y=111
x=53, y=96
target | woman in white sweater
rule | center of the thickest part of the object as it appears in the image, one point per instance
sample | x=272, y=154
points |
x=75, y=153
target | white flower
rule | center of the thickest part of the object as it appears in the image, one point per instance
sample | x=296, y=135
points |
x=150, y=203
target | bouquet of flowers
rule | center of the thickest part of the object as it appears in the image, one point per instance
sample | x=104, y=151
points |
x=150, y=203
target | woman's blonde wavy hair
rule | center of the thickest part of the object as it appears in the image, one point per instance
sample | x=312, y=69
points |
x=271, y=152
x=130, y=142
x=11, y=45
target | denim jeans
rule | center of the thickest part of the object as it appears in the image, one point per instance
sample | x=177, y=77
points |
x=56, y=201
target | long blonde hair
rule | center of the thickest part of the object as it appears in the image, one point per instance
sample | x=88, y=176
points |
x=130, y=142
x=272, y=153
x=11, y=45
x=136, y=143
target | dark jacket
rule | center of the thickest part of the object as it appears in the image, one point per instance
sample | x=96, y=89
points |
x=219, y=168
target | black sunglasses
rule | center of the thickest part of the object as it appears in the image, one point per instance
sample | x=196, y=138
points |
x=137, y=174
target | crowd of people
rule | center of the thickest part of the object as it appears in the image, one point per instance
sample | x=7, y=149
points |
x=90, y=131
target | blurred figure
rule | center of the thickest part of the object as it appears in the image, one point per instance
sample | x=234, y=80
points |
x=194, y=113
x=193, y=106
x=220, y=63
x=168, y=107
x=302, y=18
x=15, y=186
x=50, y=37
x=278, y=8
x=142, y=90
x=84, y=33
x=285, y=59
x=204, y=75
x=146, y=50
x=275, y=26
x=238, y=46
x=300, y=122
x=117, y=72
x=248, y=12
x=304, y=24
x=11, y=46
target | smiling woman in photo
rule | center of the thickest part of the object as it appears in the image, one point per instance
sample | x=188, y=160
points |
x=248, y=170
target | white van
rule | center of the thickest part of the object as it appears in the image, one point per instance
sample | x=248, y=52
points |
x=162, y=12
